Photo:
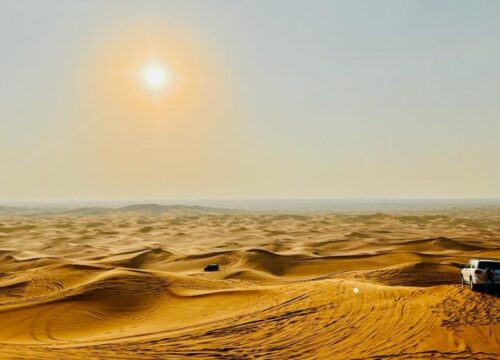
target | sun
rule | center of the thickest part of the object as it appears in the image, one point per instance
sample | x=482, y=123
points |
x=155, y=76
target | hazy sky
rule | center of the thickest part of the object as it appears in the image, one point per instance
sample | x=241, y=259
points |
x=269, y=99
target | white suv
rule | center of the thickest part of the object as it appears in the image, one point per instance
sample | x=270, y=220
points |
x=481, y=272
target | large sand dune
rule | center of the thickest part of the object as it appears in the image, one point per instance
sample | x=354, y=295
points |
x=129, y=283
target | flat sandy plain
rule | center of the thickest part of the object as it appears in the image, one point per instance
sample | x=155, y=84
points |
x=128, y=283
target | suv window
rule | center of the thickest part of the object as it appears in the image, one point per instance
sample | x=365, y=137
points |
x=493, y=265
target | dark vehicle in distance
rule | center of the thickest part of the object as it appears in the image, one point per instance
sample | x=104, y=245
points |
x=212, y=267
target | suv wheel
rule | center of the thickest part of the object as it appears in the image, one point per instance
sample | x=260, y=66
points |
x=473, y=286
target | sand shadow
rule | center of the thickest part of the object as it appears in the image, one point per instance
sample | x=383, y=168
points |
x=491, y=290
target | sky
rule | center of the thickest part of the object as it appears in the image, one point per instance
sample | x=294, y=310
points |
x=268, y=99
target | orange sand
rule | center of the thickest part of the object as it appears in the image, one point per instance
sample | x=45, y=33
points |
x=129, y=283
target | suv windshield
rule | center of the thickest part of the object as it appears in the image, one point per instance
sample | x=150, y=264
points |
x=493, y=265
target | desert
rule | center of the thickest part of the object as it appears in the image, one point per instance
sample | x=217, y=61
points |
x=128, y=282
x=266, y=179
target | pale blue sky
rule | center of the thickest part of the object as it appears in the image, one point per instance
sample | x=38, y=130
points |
x=316, y=99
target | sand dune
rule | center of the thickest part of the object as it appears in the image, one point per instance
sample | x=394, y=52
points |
x=439, y=244
x=129, y=283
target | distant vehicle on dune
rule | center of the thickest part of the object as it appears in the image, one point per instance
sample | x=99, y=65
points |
x=478, y=272
x=211, y=267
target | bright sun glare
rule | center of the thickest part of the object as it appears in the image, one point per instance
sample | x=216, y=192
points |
x=155, y=76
